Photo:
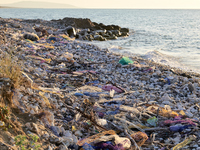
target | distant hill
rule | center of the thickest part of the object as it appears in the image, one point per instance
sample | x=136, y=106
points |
x=32, y=4
x=4, y=7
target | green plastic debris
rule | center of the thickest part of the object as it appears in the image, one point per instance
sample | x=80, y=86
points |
x=152, y=121
x=125, y=61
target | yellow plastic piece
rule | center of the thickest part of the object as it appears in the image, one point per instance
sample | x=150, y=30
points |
x=67, y=37
x=74, y=128
x=29, y=41
x=182, y=113
x=46, y=45
x=184, y=143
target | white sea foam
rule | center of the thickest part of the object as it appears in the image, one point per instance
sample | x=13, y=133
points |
x=164, y=59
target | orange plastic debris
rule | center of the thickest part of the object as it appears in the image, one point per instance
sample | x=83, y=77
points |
x=139, y=137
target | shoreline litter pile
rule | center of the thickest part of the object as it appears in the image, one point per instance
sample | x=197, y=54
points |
x=75, y=95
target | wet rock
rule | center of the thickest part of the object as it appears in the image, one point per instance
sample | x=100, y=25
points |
x=99, y=38
x=100, y=32
x=84, y=31
x=124, y=34
x=126, y=30
x=90, y=37
x=116, y=32
x=108, y=27
x=112, y=37
x=116, y=27
x=32, y=37
x=70, y=31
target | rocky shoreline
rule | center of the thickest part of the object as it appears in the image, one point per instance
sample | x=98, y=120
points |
x=72, y=90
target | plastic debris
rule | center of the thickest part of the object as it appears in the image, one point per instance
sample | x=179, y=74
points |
x=162, y=111
x=111, y=87
x=87, y=146
x=139, y=137
x=185, y=142
x=152, y=121
x=168, y=122
x=125, y=61
x=179, y=128
x=95, y=137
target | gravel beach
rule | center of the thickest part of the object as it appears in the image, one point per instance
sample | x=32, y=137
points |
x=75, y=95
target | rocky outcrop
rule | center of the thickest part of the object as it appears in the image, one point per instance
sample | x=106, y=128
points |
x=85, y=29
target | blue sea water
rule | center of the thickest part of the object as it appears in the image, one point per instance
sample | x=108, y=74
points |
x=171, y=37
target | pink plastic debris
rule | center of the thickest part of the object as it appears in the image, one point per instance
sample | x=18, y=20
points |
x=111, y=87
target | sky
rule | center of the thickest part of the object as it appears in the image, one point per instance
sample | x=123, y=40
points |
x=150, y=4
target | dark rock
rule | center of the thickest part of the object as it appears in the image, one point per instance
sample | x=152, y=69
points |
x=76, y=22
x=125, y=34
x=78, y=36
x=85, y=38
x=32, y=37
x=95, y=24
x=115, y=27
x=112, y=37
x=124, y=30
x=100, y=32
x=106, y=35
x=90, y=37
x=84, y=31
x=108, y=27
x=96, y=28
x=83, y=23
x=110, y=33
x=71, y=31
x=116, y=32
x=99, y=38
x=44, y=32
x=38, y=29
x=101, y=25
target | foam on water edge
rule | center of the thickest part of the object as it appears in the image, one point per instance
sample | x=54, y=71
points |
x=157, y=57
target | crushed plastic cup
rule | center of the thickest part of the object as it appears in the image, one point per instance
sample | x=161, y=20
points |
x=152, y=121
x=125, y=61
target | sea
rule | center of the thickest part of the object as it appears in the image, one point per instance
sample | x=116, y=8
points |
x=166, y=36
